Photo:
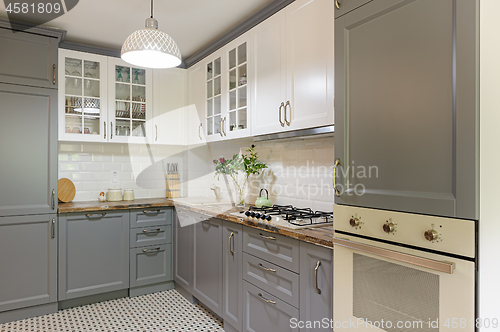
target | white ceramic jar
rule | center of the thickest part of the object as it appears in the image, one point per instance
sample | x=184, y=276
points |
x=114, y=195
x=128, y=195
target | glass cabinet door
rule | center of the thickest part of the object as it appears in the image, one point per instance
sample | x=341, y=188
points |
x=213, y=98
x=238, y=88
x=82, y=98
x=130, y=102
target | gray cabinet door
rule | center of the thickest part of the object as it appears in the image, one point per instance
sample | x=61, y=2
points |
x=149, y=265
x=28, y=59
x=406, y=107
x=232, y=266
x=183, y=253
x=93, y=253
x=28, y=265
x=28, y=136
x=316, y=286
x=207, y=274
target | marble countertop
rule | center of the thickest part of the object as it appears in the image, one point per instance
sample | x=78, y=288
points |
x=322, y=236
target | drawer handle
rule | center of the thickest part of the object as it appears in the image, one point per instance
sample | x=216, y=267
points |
x=155, y=250
x=98, y=215
x=229, y=243
x=337, y=4
x=151, y=211
x=265, y=268
x=266, y=300
x=149, y=231
x=53, y=227
x=318, y=264
x=53, y=199
x=267, y=237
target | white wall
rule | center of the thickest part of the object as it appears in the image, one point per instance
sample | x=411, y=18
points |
x=489, y=208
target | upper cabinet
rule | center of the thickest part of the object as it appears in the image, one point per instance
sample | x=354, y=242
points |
x=195, y=110
x=213, y=97
x=293, y=68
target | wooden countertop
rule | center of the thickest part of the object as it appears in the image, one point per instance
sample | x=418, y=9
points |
x=322, y=236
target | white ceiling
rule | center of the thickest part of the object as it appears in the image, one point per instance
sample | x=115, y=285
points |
x=193, y=24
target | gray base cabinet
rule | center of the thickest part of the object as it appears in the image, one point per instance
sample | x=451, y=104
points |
x=183, y=250
x=28, y=265
x=232, y=267
x=316, y=286
x=93, y=253
x=150, y=265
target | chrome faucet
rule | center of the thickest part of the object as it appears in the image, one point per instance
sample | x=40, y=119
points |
x=216, y=191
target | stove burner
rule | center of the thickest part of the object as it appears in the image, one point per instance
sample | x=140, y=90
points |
x=295, y=216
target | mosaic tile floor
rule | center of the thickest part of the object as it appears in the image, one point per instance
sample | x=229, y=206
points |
x=159, y=312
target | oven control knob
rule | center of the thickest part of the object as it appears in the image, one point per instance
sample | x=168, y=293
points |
x=431, y=235
x=389, y=227
x=247, y=213
x=354, y=222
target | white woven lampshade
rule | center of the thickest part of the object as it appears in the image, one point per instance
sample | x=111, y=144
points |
x=151, y=48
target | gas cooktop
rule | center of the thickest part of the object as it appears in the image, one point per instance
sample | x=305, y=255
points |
x=287, y=216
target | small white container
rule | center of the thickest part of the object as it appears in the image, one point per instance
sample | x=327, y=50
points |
x=128, y=195
x=114, y=195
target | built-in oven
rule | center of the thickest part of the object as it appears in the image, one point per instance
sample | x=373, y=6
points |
x=402, y=272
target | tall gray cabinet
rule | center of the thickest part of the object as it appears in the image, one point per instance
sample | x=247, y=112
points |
x=28, y=177
x=406, y=106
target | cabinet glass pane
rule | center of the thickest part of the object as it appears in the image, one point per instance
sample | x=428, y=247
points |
x=217, y=67
x=216, y=124
x=242, y=75
x=232, y=100
x=242, y=118
x=242, y=53
x=210, y=126
x=73, y=86
x=91, y=88
x=91, y=69
x=232, y=121
x=209, y=89
x=73, y=105
x=139, y=93
x=122, y=128
x=73, y=124
x=217, y=86
x=122, y=91
x=232, y=79
x=91, y=126
x=217, y=105
x=122, y=74
x=209, y=107
x=122, y=109
x=139, y=76
x=92, y=106
x=139, y=111
x=232, y=58
x=73, y=67
x=139, y=128
x=209, y=71
x=242, y=97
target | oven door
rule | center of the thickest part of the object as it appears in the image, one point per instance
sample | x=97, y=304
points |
x=385, y=287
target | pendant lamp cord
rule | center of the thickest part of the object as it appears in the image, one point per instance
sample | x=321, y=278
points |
x=151, y=8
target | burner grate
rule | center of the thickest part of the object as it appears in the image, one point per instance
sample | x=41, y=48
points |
x=297, y=216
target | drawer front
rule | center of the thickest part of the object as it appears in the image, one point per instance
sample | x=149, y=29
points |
x=273, y=279
x=274, y=248
x=149, y=265
x=149, y=236
x=150, y=217
x=260, y=315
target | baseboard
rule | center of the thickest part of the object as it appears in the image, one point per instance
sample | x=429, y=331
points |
x=229, y=328
x=185, y=293
x=92, y=299
x=23, y=313
x=148, y=289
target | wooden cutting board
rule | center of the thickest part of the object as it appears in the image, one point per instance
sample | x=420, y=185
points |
x=66, y=190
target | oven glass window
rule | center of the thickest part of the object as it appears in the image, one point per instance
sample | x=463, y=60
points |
x=394, y=293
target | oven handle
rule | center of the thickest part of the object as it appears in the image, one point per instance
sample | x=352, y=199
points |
x=443, y=267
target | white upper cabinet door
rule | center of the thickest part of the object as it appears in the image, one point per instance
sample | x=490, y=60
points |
x=195, y=132
x=269, y=75
x=82, y=96
x=130, y=103
x=215, y=99
x=310, y=63
x=169, y=101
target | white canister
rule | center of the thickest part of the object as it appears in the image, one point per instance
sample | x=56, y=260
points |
x=128, y=195
x=114, y=195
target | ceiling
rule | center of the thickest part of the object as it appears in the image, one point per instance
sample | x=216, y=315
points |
x=193, y=24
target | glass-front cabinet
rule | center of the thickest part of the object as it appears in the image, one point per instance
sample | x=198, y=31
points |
x=238, y=89
x=83, y=111
x=214, y=98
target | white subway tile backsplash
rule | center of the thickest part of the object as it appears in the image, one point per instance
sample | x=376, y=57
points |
x=92, y=166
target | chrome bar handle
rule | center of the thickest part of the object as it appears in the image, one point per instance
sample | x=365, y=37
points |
x=53, y=199
x=279, y=112
x=286, y=121
x=150, y=211
x=266, y=300
x=267, y=237
x=99, y=215
x=104, y=129
x=54, y=72
x=220, y=131
x=229, y=243
x=157, y=249
x=53, y=227
x=224, y=127
x=149, y=231
x=430, y=264
x=337, y=4
x=337, y=163
x=199, y=131
x=111, y=129
x=156, y=127
x=318, y=264
x=265, y=268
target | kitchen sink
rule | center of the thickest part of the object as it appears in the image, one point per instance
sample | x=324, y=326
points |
x=204, y=201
